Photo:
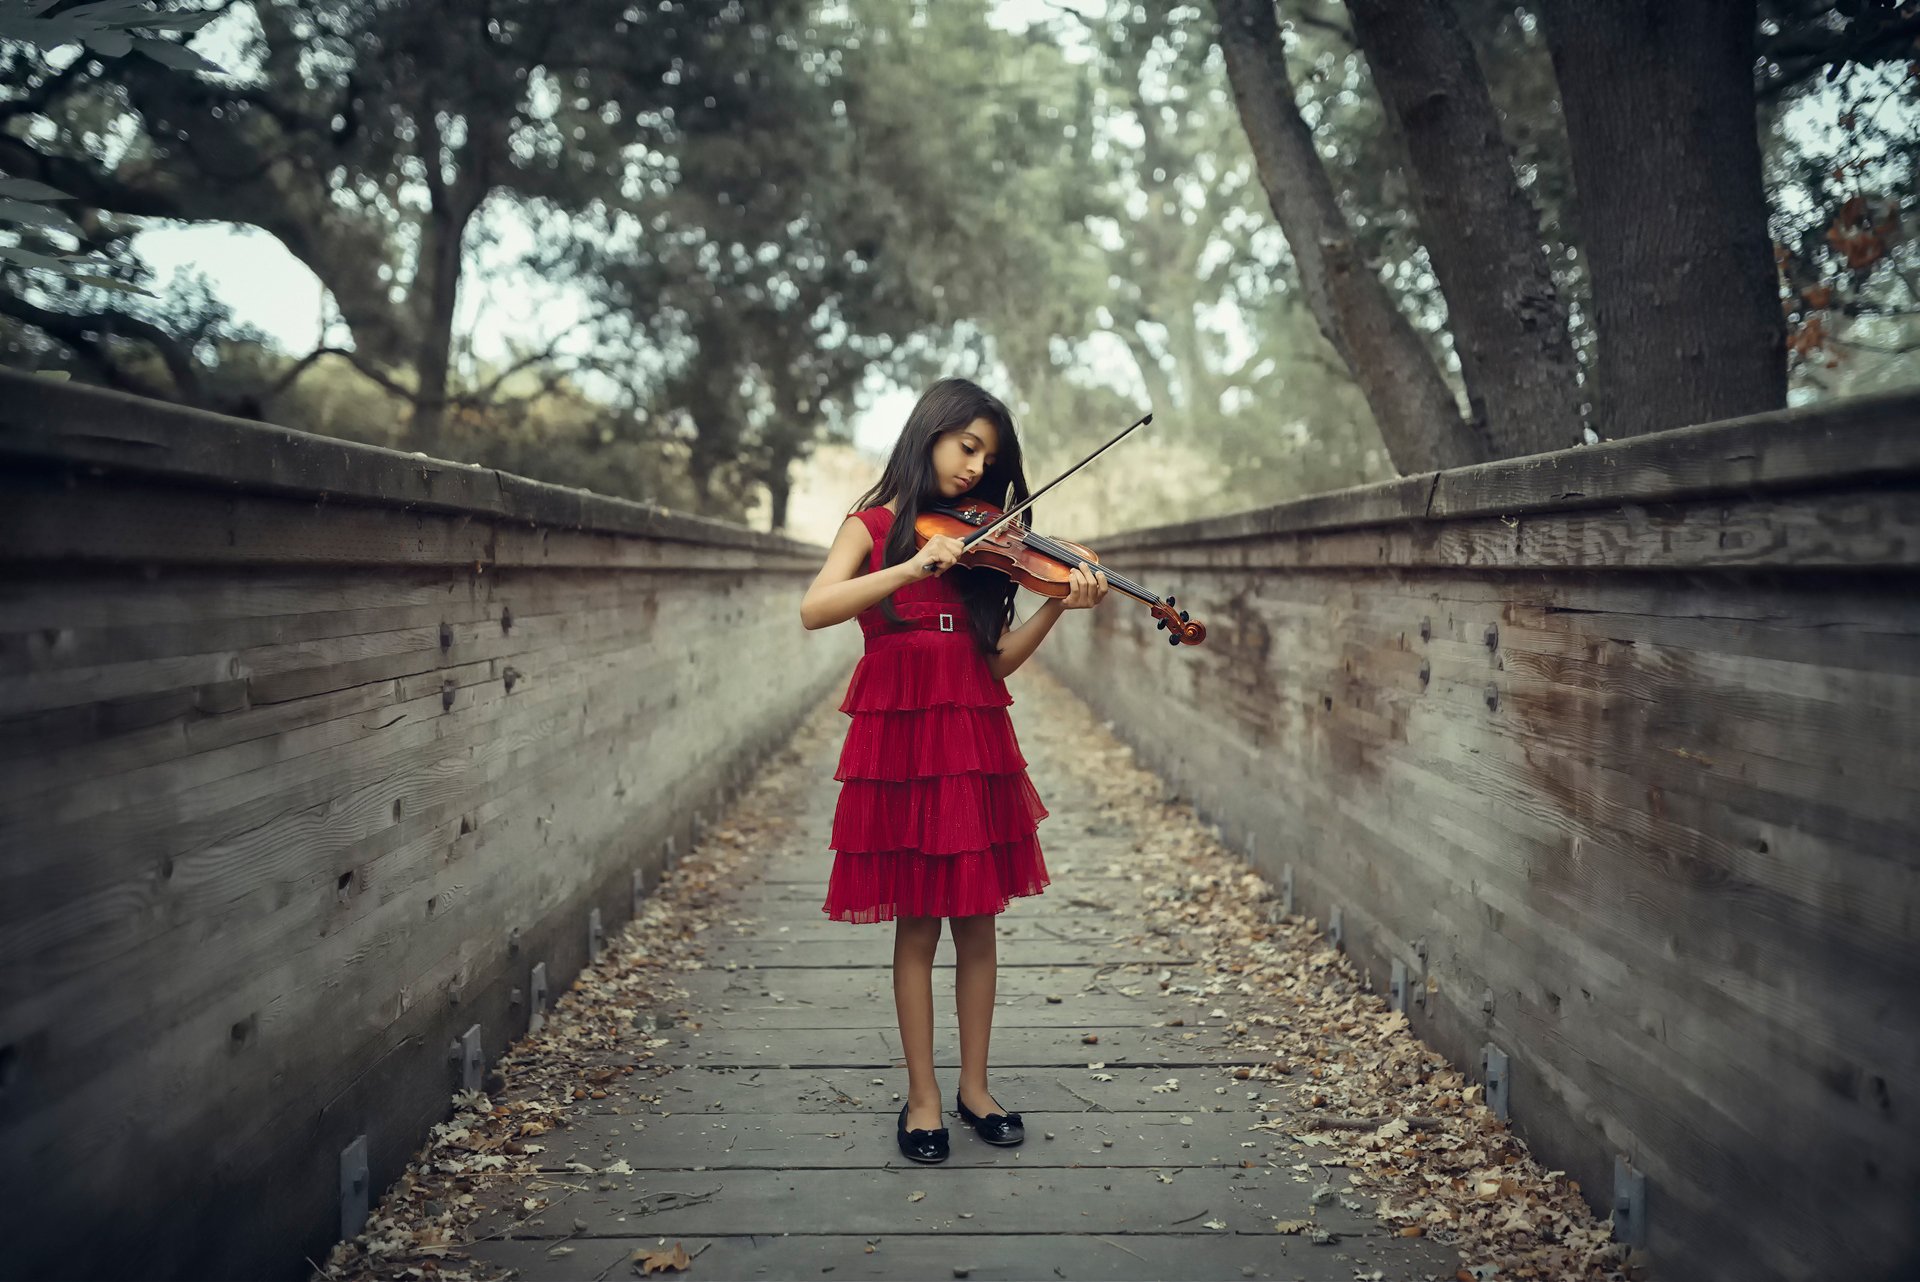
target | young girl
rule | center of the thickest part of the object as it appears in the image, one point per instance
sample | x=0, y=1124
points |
x=936, y=815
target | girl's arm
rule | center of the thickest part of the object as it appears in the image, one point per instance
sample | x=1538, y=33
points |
x=842, y=589
x=1017, y=644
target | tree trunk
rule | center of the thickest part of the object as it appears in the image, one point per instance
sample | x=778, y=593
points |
x=1660, y=111
x=779, y=491
x=440, y=264
x=1482, y=234
x=1415, y=409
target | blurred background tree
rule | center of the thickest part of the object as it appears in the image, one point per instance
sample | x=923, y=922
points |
x=701, y=254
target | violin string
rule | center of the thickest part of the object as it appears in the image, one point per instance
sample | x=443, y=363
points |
x=1046, y=546
x=1042, y=543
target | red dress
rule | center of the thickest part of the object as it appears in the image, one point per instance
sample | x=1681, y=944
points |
x=936, y=815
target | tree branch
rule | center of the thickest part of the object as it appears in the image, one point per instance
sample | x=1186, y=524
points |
x=83, y=332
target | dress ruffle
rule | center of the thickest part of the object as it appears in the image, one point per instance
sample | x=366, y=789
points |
x=881, y=885
x=929, y=742
x=913, y=674
x=944, y=815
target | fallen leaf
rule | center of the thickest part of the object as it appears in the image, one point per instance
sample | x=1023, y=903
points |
x=916, y=1195
x=661, y=1261
x=1216, y=1224
x=1292, y=1226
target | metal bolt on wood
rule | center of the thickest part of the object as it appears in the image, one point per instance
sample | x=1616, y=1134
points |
x=537, y=1012
x=510, y=676
x=1493, y=636
x=447, y=689
x=1493, y=697
x=1494, y=1063
x=446, y=636
x=1629, y=1204
x=354, y=1187
x=506, y=618
x=473, y=1064
x=1426, y=629
x=1426, y=672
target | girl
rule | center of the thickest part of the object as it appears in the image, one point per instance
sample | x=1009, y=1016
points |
x=936, y=815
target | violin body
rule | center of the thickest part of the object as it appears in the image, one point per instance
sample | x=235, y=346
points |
x=1041, y=563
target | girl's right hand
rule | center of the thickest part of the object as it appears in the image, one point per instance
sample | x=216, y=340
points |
x=941, y=551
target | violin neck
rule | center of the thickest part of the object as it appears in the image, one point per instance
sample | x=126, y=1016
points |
x=1121, y=583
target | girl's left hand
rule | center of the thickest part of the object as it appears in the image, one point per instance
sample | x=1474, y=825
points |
x=1086, y=590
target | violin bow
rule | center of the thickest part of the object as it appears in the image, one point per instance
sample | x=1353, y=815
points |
x=987, y=532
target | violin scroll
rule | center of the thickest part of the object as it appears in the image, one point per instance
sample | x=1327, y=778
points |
x=1178, y=625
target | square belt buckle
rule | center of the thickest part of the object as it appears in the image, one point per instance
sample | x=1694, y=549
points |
x=946, y=622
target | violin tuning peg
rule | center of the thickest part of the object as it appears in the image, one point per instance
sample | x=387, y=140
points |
x=1183, y=616
x=1160, y=623
x=1173, y=640
x=1169, y=600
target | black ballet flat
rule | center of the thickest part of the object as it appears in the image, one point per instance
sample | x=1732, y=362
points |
x=925, y=1147
x=1003, y=1129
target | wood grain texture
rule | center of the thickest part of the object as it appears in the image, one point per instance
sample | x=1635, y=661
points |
x=1624, y=742
x=294, y=741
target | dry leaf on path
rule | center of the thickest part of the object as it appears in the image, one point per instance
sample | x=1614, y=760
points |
x=662, y=1261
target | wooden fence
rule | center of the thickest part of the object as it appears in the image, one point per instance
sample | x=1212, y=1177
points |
x=312, y=751
x=1612, y=754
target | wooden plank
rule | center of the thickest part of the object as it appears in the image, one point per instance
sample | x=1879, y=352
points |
x=138, y=436
x=1060, y=1045
x=845, y=1091
x=110, y=521
x=865, y=1140
x=914, y=1257
x=1121, y=1200
x=1834, y=444
x=858, y=953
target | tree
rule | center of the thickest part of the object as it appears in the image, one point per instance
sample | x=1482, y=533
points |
x=1660, y=99
x=367, y=136
x=1418, y=416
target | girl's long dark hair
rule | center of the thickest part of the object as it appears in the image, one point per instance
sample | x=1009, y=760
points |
x=952, y=403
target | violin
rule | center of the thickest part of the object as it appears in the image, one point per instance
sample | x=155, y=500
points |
x=1041, y=564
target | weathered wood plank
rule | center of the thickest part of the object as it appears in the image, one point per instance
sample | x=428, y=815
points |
x=913, y=1257
x=1059, y=1044
x=1121, y=1200
x=865, y=1140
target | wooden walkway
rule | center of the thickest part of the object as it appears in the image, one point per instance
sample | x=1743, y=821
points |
x=764, y=1147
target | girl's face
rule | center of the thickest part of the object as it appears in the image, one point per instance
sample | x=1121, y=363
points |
x=962, y=456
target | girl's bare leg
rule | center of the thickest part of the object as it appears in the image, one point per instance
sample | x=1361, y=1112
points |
x=976, y=969
x=914, y=941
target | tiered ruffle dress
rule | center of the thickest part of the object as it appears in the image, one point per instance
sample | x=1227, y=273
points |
x=936, y=814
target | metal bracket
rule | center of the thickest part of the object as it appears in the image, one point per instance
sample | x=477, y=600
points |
x=1397, y=987
x=1499, y=1080
x=537, y=1011
x=354, y=1181
x=1286, y=890
x=473, y=1065
x=596, y=937
x=1629, y=1204
x=1337, y=928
